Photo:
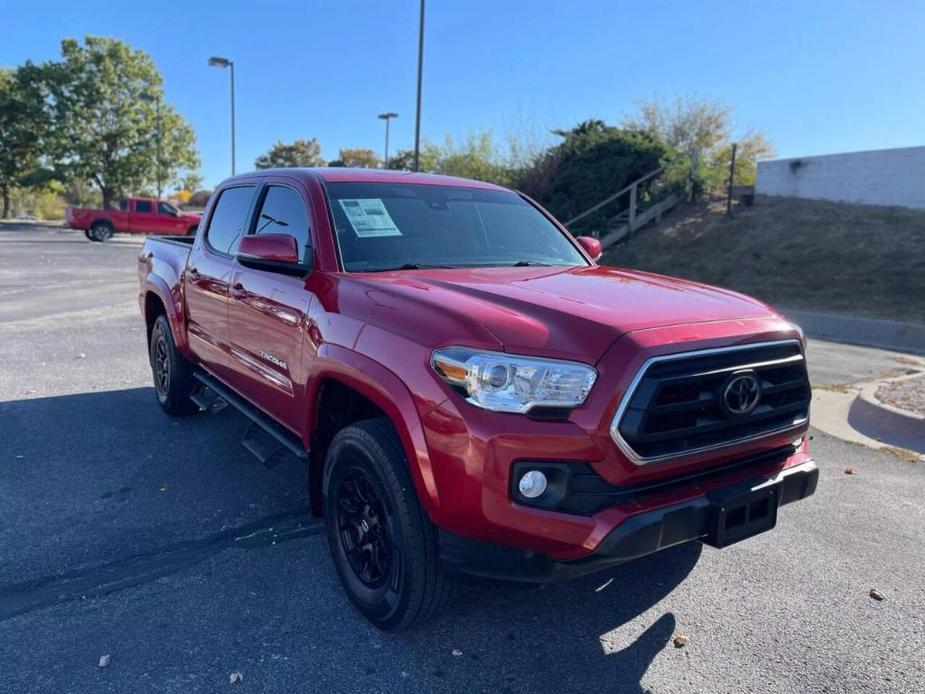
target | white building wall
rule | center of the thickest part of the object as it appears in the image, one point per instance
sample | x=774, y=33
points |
x=877, y=177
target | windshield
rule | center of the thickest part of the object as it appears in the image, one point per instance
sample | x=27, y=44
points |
x=381, y=226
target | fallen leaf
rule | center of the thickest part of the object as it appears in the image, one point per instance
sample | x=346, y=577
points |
x=104, y=661
x=456, y=651
x=235, y=677
x=876, y=594
x=849, y=470
x=680, y=641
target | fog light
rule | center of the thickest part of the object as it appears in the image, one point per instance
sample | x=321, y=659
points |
x=532, y=484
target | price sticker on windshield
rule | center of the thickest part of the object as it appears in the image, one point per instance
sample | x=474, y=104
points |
x=369, y=217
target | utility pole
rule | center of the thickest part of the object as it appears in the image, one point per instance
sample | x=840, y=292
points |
x=732, y=175
x=417, y=118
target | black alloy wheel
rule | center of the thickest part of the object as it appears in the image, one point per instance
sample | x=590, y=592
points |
x=363, y=529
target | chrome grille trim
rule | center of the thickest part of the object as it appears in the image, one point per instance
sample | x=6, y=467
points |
x=635, y=458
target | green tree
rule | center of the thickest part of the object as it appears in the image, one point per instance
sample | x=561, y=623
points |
x=191, y=182
x=478, y=157
x=297, y=154
x=593, y=160
x=23, y=126
x=429, y=158
x=104, y=130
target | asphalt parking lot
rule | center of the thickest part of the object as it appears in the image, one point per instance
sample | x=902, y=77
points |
x=163, y=544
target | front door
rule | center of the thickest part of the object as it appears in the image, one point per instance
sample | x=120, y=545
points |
x=208, y=278
x=168, y=220
x=268, y=310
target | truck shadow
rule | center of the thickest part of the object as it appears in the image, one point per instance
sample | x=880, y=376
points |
x=578, y=635
x=114, y=495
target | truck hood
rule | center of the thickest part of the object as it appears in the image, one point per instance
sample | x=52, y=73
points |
x=571, y=313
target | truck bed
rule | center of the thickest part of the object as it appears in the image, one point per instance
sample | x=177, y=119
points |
x=164, y=257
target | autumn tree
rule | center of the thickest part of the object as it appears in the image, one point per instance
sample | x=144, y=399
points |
x=299, y=153
x=357, y=158
x=705, y=126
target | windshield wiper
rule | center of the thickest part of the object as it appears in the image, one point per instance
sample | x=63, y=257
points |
x=412, y=266
x=530, y=263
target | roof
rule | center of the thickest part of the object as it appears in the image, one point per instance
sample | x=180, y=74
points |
x=336, y=174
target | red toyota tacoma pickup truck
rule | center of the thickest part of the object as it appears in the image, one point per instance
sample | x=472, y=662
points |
x=134, y=216
x=473, y=395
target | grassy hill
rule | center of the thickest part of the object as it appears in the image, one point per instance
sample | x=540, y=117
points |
x=801, y=254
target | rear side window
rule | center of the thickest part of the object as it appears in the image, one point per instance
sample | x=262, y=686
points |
x=143, y=206
x=229, y=218
x=123, y=205
x=283, y=212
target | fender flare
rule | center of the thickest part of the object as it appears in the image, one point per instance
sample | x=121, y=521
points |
x=172, y=307
x=105, y=220
x=383, y=388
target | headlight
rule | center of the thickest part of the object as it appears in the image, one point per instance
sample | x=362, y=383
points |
x=506, y=383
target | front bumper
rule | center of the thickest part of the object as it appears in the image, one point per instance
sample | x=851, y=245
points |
x=639, y=535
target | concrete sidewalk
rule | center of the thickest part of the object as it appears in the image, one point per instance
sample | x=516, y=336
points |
x=899, y=336
x=844, y=378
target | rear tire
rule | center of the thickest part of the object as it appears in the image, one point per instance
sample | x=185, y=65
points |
x=100, y=231
x=383, y=545
x=173, y=374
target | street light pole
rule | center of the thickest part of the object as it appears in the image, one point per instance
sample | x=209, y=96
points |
x=417, y=118
x=232, y=120
x=386, y=117
x=157, y=104
x=216, y=61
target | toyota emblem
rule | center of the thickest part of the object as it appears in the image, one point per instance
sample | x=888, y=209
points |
x=742, y=393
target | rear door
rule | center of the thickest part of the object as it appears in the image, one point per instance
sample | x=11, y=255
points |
x=267, y=311
x=208, y=277
x=141, y=217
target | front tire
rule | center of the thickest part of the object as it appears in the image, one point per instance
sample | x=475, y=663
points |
x=173, y=374
x=383, y=545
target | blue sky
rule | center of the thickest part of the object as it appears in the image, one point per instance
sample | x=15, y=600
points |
x=818, y=76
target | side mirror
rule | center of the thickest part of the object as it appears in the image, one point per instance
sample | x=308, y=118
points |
x=269, y=251
x=591, y=246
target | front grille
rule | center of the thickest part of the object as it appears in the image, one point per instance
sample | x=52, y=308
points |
x=679, y=404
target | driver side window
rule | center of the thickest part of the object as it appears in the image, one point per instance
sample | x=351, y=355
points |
x=283, y=212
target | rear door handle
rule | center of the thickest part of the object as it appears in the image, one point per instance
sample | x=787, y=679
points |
x=194, y=274
x=238, y=291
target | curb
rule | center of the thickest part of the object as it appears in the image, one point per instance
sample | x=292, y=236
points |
x=898, y=336
x=885, y=423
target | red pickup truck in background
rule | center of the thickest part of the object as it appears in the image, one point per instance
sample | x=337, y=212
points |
x=472, y=394
x=134, y=216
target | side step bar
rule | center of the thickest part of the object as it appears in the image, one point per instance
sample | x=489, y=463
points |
x=261, y=423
